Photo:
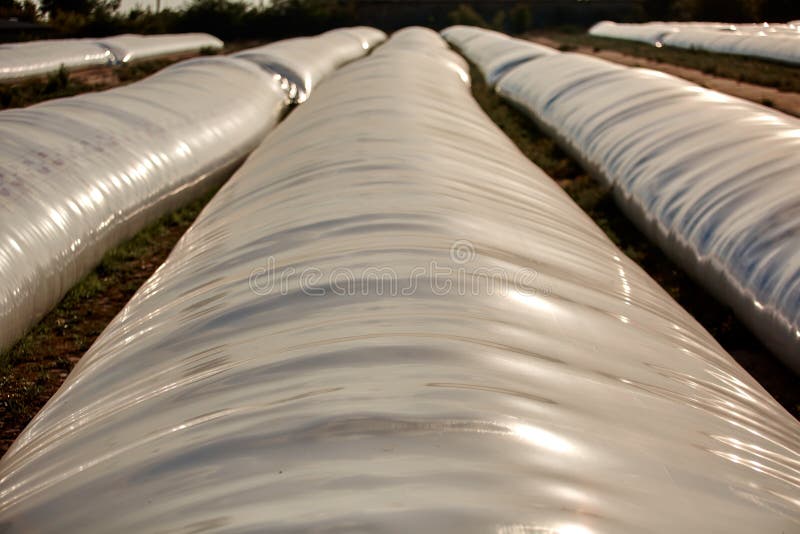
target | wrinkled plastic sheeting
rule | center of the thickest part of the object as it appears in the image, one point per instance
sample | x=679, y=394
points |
x=78, y=175
x=132, y=47
x=776, y=42
x=494, y=53
x=777, y=47
x=650, y=32
x=415, y=40
x=303, y=62
x=23, y=60
x=711, y=178
x=265, y=380
x=369, y=37
x=764, y=28
x=458, y=34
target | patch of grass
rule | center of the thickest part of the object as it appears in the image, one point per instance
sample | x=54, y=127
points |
x=55, y=85
x=739, y=68
x=597, y=201
x=34, y=368
x=131, y=72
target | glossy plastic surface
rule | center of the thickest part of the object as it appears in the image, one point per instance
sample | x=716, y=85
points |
x=80, y=174
x=369, y=37
x=776, y=42
x=776, y=47
x=416, y=40
x=493, y=53
x=650, y=32
x=23, y=60
x=711, y=178
x=303, y=62
x=132, y=47
x=462, y=33
x=266, y=380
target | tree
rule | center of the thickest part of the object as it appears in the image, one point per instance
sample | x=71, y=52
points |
x=657, y=9
x=79, y=7
x=521, y=18
x=25, y=11
x=718, y=10
x=499, y=21
x=223, y=18
x=466, y=14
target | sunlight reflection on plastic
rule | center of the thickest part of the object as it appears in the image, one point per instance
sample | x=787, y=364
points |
x=534, y=301
x=542, y=438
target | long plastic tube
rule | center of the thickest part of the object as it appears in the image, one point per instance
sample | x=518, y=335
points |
x=389, y=320
x=35, y=58
x=78, y=175
x=303, y=62
x=775, y=42
x=711, y=178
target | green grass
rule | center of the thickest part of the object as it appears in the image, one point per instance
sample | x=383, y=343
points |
x=743, y=69
x=598, y=202
x=33, y=369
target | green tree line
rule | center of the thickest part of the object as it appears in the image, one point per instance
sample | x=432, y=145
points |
x=238, y=20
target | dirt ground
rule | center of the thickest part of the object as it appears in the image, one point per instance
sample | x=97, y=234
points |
x=781, y=100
